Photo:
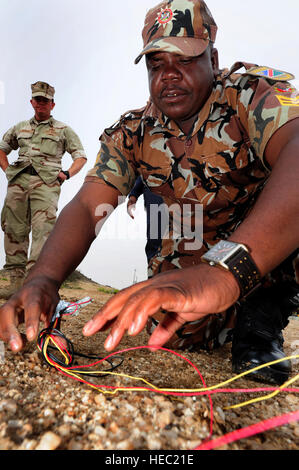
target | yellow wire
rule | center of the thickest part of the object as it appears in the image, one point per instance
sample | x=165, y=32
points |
x=60, y=350
x=171, y=390
x=267, y=397
x=165, y=390
x=226, y=382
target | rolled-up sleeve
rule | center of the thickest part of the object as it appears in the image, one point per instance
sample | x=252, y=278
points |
x=73, y=144
x=9, y=141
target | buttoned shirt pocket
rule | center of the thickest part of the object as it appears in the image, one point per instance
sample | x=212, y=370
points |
x=24, y=141
x=157, y=179
x=226, y=172
x=228, y=162
x=49, y=144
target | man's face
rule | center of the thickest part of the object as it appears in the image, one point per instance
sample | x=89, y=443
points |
x=42, y=107
x=180, y=85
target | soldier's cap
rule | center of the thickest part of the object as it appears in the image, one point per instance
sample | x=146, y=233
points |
x=42, y=89
x=184, y=27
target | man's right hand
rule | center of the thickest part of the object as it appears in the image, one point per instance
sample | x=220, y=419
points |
x=35, y=302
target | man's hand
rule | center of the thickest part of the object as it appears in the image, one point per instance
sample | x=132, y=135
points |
x=187, y=295
x=61, y=177
x=131, y=206
x=35, y=302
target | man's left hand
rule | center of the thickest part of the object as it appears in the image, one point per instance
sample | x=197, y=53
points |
x=61, y=177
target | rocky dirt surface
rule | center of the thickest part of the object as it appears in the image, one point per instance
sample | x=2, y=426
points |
x=41, y=409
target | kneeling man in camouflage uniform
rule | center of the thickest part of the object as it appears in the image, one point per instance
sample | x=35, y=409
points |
x=34, y=181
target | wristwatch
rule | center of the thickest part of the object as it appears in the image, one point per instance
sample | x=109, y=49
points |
x=67, y=174
x=235, y=257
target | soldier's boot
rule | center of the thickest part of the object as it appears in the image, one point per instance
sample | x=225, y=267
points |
x=16, y=277
x=258, y=338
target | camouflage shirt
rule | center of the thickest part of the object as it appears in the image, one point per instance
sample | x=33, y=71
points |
x=42, y=145
x=219, y=165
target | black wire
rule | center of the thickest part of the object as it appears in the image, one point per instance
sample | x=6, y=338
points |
x=72, y=353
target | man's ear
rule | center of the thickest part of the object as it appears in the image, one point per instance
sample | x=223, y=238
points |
x=53, y=105
x=215, y=61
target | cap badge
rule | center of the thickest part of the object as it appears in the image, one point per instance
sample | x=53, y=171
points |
x=165, y=16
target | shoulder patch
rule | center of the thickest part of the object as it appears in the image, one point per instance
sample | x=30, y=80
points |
x=288, y=101
x=271, y=74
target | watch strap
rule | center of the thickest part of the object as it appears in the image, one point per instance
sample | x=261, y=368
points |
x=244, y=269
x=67, y=174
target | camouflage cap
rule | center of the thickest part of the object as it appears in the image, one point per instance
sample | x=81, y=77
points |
x=43, y=89
x=179, y=26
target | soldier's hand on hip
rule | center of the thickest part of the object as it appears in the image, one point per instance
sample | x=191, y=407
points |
x=35, y=302
x=186, y=294
x=61, y=177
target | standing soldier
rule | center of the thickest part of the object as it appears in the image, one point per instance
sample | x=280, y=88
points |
x=34, y=182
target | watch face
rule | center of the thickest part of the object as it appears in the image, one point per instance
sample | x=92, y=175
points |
x=220, y=251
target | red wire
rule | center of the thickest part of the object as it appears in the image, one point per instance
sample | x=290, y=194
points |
x=74, y=305
x=211, y=444
x=250, y=431
x=55, y=339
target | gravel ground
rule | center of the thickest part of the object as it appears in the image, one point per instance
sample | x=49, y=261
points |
x=40, y=409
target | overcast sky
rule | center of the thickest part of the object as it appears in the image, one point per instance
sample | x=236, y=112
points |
x=86, y=50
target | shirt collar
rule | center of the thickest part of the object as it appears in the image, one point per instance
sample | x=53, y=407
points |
x=37, y=123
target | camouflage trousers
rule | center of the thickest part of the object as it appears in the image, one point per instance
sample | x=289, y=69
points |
x=214, y=331
x=30, y=207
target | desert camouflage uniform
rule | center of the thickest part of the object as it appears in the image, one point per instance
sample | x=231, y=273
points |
x=219, y=165
x=33, y=188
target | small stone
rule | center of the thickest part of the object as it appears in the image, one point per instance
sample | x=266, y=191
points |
x=125, y=445
x=153, y=443
x=74, y=445
x=49, y=413
x=5, y=443
x=100, y=431
x=86, y=399
x=26, y=429
x=100, y=399
x=296, y=430
x=8, y=405
x=221, y=414
x=130, y=408
x=64, y=430
x=28, y=445
x=164, y=418
x=49, y=441
x=113, y=427
x=292, y=399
